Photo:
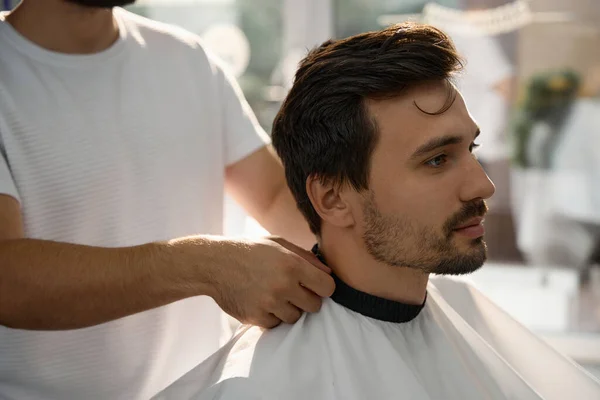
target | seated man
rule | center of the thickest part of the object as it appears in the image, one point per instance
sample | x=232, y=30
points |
x=378, y=146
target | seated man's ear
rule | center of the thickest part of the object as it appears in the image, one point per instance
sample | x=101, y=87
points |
x=331, y=201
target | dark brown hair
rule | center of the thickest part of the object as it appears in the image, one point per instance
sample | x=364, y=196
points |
x=323, y=128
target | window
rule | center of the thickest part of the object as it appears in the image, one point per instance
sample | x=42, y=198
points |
x=356, y=16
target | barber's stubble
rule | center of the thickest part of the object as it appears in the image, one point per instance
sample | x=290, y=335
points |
x=102, y=3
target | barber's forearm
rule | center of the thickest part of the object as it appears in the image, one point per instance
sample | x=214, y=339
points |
x=53, y=286
x=284, y=219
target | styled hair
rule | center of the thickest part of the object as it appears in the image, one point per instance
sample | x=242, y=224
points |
x=324, y=129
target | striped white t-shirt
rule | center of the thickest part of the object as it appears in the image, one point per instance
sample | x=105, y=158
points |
x=117, y=148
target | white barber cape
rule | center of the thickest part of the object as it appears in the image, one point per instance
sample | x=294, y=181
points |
x=459, y=346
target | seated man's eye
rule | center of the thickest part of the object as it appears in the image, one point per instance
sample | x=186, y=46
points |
x=438, y=161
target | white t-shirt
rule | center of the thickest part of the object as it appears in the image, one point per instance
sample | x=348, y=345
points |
x=117, y=148
x=460, y=346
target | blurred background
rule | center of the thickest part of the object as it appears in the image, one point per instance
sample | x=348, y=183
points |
x=532, y=82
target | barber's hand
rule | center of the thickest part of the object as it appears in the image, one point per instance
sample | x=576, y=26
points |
x=270, y=281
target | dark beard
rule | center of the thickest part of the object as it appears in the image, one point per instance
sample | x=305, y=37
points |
x=397, y=242
x=102, y=3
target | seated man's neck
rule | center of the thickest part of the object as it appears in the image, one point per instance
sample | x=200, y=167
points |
x=352, y=263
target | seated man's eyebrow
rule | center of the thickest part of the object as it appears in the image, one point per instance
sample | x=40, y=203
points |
x=439, y=142
x=434, y=144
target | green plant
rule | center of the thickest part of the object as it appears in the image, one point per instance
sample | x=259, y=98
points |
x=548, y=99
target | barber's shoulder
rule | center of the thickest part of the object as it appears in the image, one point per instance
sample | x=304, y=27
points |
x=153, y=32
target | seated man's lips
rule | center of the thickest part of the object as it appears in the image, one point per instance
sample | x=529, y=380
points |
x=472, y=228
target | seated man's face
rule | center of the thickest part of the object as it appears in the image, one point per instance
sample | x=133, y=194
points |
x=417, y=200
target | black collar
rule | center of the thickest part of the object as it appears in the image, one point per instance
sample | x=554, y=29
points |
x=369, y=305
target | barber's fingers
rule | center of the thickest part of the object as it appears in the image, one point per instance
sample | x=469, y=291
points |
x=305, y=300
x=307, y=255
x=315, y=280
x=266, y=320
x=287, y=312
